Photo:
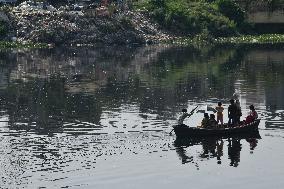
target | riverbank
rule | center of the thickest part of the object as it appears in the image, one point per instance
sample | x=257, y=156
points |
x=39, y=28
x=245, y=40
x=242, y=39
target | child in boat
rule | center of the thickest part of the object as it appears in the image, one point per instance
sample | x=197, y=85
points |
x=212, y=122
x=183, y=116
x=220, y=110
x=205, y=121
x=252, y=115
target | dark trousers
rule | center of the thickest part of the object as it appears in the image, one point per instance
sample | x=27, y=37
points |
x=232, y=120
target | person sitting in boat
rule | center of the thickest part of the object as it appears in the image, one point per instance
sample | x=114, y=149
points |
x=212, y=122
x=220, y=110
x=183, y=116
x=205, y=121
x=252, y=115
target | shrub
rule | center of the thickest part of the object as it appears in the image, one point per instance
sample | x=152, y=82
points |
x=190, y=17
x=3, y=29
x=231, y=10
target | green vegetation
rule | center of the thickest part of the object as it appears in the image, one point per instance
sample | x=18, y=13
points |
x=201, y=41
x=250, y=39
x=206, y=21
x=231, y=10
x=191, y=17
x=3, y=29
x=8, y=44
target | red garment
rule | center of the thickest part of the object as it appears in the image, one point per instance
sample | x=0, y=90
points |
x=251, y=117
x=254, y=114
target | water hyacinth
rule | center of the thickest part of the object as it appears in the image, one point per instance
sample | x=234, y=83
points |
x=251, y=39
x=245, y=39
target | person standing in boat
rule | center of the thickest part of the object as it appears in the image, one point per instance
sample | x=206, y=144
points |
x=183, y=116
x=239, y=111
x=234, y=151
x=220, y=110
x=219, y=152
x=232, y=113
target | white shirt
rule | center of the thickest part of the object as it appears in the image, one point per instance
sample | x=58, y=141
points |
x=182, y=117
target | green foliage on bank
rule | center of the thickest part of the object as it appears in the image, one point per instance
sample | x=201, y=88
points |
x=8, y=44
x=216, y=18
x=231, y=10
x=251, y=39
x=3, y=29
x=190, y=17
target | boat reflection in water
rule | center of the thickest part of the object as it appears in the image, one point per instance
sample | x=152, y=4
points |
x=214, y=148
x=234, y=151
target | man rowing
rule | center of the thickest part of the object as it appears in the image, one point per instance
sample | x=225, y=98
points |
x=185, y=115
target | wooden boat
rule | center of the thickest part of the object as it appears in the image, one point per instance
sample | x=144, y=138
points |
x=185, y=131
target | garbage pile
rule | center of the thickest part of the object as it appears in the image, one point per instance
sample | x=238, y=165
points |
x=35, y=6
x=148, y=29
x=40, y=22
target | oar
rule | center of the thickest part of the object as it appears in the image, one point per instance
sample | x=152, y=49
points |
x=171, y=131
x=191, y=112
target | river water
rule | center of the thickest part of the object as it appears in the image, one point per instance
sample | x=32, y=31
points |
x=100, y=117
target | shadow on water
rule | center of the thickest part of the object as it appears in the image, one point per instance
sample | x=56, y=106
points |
x=213, y=148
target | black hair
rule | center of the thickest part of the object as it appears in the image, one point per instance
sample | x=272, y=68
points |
x=232, y=101
x=184, y=110
x=212, y=116
x=219, y=103
x=251, y=107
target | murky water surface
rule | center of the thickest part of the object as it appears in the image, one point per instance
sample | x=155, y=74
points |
x=101, y=117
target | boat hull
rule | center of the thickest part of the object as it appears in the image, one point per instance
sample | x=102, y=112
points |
x=185, y=131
